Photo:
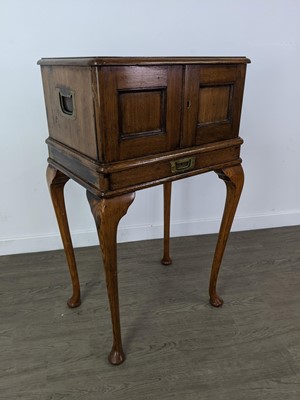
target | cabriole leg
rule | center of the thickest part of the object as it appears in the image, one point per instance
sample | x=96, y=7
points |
x=107, y=214
x=234, y=180
x=56, y=181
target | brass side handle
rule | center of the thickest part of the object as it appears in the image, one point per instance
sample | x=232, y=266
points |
x=66, y=102
x=182, y=165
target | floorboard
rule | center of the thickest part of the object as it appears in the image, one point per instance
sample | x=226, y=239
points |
x=177, y=345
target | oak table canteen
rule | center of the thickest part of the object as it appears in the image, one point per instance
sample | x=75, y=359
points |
x=121, y=124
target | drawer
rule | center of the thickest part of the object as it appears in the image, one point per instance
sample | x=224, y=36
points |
x=175, y=167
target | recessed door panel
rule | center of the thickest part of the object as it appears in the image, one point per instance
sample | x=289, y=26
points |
x=142, y=112
x=214, y=104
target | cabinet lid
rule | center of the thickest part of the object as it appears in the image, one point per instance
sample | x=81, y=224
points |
x=102, y=61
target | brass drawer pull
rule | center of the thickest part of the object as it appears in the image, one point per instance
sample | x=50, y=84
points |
x=182, y=165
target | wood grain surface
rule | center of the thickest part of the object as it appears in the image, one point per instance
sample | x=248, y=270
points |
x=177, y=345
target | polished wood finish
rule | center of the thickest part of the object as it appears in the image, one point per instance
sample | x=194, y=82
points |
x=153, y=61
x=77, y=132
x=166, y=260
x=107, y=214
x=118, y=125
x=213, y=96
x=142, y=109
x=234, y=180
x=56, y=182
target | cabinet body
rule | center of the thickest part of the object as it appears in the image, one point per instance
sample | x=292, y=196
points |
x=120, y=124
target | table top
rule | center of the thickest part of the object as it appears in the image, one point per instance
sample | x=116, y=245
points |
x=101, y=61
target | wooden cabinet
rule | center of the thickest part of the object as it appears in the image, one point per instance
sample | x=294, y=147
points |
x=117, y=125
x=102, y=112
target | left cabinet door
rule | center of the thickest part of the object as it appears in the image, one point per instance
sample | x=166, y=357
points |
x=140, y=109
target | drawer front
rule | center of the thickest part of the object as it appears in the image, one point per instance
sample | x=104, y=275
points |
x=212, y=103
x=175, y=167
x=140, y=108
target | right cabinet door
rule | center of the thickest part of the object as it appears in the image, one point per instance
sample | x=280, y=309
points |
x=212, y=103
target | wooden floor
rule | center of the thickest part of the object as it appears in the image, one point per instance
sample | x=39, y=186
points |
x=177, y=345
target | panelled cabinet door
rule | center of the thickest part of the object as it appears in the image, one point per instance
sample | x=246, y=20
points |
x=212, y=103
x=141, y=110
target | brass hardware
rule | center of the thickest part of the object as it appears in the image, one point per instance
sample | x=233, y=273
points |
x=66, y=101
x=183, y=164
